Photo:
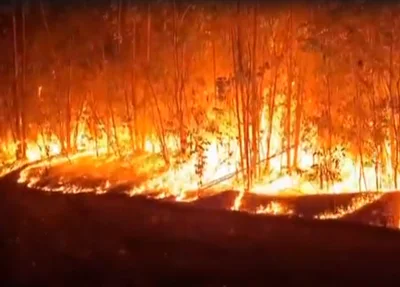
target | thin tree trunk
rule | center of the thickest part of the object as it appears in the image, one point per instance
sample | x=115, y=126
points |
x=46, y=26
x=329, y=161
x=162, y=134
x=78, y=120
x=244, y=96
x=148, y=32
x=358, y=127
x=23, y=81
x=289, y=96
x=178, y=83
x=256, y=100
x=297, y=130
x=114, y=125
x=271, y=113
x=119, y=26
x=214, y=71
x=237, y=103
x=10, y=114
x=96, y=142
x=16, y=101
x=133, y=88
x=68, y=116
x=129, y=117
x=377, y=142
x=395, y=149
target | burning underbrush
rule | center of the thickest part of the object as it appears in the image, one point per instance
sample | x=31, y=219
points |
x=131, y=175
x=373, y=208
x=91, y=173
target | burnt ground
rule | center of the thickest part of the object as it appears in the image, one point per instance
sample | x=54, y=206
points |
x=113, y=240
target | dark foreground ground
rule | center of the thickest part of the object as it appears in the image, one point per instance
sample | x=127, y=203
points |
x=112, y=240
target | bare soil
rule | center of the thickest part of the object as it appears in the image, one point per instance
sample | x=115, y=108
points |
x=114, y=240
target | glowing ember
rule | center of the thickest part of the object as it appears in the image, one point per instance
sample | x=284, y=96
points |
x=355, y=204
x=274, y=208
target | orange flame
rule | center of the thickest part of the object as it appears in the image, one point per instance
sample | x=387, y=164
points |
x=274, y=208
x=355, y=204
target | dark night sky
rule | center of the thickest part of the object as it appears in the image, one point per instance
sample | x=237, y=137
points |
x=6, y=5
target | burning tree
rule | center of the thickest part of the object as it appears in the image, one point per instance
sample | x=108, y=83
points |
x=263, y=93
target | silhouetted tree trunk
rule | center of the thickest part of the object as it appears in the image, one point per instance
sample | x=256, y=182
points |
x=133, y=126
x=148, y=32
x=179, y=81
x=214, y=71
x=298, y=121
x=271, y=113
x=393, y=108
x=17, y=91
x=160, y=126
x=256, y=104
x=237, y=101
x=23, y=80
x=289, y=95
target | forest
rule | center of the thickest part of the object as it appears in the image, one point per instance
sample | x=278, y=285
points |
x=305, y=89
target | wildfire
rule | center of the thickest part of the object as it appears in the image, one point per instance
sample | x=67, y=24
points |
x=215, y=166
x=182, y=182
x=219, y=171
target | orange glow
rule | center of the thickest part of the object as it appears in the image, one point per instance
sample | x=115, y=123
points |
x=274, y=208
x=355, y=204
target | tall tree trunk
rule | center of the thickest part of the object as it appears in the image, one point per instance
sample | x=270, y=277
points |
x=114, y=125
x=148, y=32
x=23, y=80
x=16, y=102
x=256, y=103
x=377, y=141
x=128, y=112
x=68, y=116
x=244, y=96
x=237, y=101
x=46, y=26
x=161, y=129
x=394, y=128
x=179, y=82
x=358, y=126
x=214, y=71
x=298, y=121
x=289, y=95
x=271, y=113
x=133, y=125
x=330, y=131
x=119, y=26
